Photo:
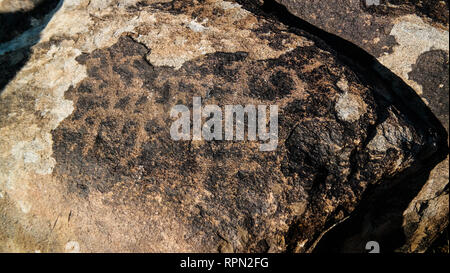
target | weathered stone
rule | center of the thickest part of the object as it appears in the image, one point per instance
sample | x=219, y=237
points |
x=427, y=215
x=411, y=39
x=87, y=162
x=398, y=33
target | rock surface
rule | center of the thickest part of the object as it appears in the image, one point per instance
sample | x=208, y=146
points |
x=405, y=37
x=17, y=17
x=15, y=6
x=411, y=39
x=87, y=162
x=427, y=215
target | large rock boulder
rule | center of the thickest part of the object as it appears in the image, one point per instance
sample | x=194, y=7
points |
x=88, y=163
x=411, y=39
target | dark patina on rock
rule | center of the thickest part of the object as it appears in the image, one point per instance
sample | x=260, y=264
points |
x=410, y=38
x=228, y=195
x=127, y=186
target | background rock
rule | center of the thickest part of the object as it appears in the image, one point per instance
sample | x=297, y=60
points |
x=398, y=36
x=20, y=25
x=14, y=6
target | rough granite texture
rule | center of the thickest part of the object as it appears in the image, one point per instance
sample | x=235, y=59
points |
x=397, y=34
x=411, y=39
x=87, y=163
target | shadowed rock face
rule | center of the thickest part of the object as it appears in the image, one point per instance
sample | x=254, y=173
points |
x=18, y=16
x=411, y=39
x=395, y=32
x=90, y=164
x=434, y=11
x=431, y=71
x=349, y=20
